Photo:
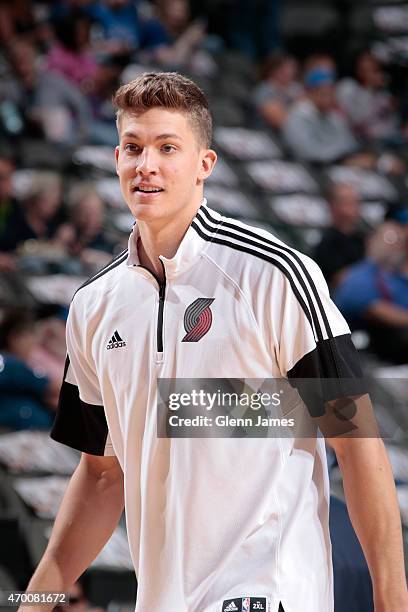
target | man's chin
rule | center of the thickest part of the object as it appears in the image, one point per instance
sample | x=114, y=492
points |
x=146, y=212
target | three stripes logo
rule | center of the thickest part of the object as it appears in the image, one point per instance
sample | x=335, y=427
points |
x=115, y=342
x=197, y=319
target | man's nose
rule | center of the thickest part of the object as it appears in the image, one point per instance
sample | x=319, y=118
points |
x=147, y=162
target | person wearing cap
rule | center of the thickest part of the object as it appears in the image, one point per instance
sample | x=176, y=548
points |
x=316, y=131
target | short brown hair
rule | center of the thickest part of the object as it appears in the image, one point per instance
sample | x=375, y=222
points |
x=168, y=90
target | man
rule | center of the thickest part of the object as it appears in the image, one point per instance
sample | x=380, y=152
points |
x=343, y=243
x=368, y=103
x=278, y=90
x=316, y=131
x=374, y=292
x=214, y=525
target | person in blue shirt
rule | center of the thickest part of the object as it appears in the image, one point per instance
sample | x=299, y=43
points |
x=374, y=292
x=119, y=21
x=24, y=393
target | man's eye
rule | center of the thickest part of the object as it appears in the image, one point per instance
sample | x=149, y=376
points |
x=131, y=148
x=168, y=148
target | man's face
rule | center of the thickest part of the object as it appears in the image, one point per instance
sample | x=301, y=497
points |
x=369, y=71
x=346, y=204
x=287, y=72
x=160, y=164
x=324, y=97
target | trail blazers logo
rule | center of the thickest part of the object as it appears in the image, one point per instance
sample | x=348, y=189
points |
x=197, y=319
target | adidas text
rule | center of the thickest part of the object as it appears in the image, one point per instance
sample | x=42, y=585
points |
x=115, y=345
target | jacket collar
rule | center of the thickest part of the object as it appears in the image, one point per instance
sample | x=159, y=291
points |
x=189, y=250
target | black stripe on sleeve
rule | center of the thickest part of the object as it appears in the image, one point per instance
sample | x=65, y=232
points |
x=319, y=362
x=319, y=378
x=79, y=425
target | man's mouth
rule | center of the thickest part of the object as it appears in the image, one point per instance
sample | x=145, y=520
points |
x=146, y=189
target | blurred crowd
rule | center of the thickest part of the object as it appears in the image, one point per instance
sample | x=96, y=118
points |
x=61, y=61
x=325, y=119
x=357, y=121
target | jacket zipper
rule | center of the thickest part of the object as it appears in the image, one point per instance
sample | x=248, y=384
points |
x=162, y=292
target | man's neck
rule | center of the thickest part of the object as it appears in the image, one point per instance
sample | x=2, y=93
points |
x=162, y=239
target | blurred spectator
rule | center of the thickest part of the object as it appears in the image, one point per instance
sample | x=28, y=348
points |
x=47, y=101
x=102, y=128
x=120, y=25
x=24, y=393
x=369, y=105
x=10, y=212
x=278, y=90
x=40, y=212
x=175, y=41
x=49, y=352
x=70, y=56
x=84, y=230
x=315, y=130
x=374, y=293
x=342, y=244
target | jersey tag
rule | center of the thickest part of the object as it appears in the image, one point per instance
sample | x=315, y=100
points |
x=246, y=604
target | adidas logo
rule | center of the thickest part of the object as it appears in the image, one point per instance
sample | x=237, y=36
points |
x=231, y=607
x=115, y=342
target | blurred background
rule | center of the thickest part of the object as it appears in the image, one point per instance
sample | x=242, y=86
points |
x=310, y=105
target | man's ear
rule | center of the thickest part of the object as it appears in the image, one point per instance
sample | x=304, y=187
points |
x=208, y=161
x=116, y=159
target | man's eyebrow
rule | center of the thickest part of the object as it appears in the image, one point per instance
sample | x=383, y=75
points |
x=129, y=134
x=136, y=136
x=169, y=135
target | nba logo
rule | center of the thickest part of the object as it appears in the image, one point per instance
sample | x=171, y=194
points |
x=246, y=602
